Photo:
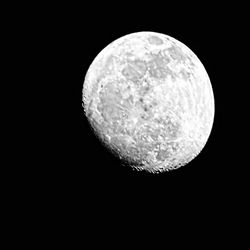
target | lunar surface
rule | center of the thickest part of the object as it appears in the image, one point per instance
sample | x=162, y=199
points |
x=150, y=101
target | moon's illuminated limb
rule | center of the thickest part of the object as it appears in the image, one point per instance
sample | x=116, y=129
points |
x=188, y=92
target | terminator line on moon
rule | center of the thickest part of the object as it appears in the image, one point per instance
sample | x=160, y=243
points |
x=149, y=100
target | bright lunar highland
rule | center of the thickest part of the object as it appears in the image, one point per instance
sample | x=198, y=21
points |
x=149, y=100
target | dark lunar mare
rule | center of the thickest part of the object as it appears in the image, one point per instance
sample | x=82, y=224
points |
x=115, y=111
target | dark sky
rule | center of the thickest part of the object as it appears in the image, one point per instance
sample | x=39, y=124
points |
x=74, y=172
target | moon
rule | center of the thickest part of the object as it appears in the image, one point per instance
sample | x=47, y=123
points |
x=150, y=101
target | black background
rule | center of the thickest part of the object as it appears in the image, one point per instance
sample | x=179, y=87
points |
x=73, y=179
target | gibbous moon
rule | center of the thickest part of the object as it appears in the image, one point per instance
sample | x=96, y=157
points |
x=149, y=100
